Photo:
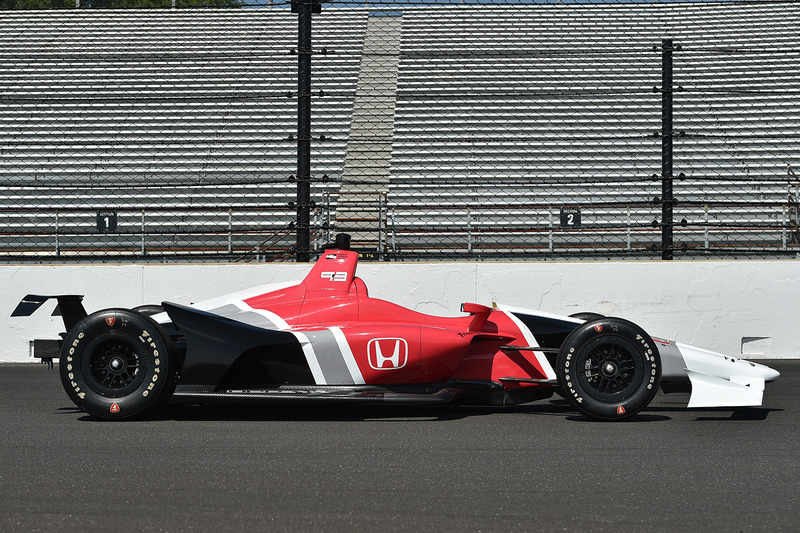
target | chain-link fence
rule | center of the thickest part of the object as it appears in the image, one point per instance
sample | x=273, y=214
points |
x=427, y=130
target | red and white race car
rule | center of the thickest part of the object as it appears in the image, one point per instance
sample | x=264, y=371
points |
x=324, y=339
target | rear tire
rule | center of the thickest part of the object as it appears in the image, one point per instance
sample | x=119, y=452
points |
x=609, y=368
x=117, y=364
x=149, y=309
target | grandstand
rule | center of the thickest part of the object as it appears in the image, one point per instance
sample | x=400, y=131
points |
x=438, y=132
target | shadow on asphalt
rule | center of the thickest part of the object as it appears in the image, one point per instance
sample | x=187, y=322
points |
x=637, y=419
x=720, y=414
x=351, y=413
x=313, y=413
x=394, y=413
x=743, y=413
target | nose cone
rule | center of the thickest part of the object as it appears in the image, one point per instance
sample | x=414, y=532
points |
x=763, y=371
x=721, y=366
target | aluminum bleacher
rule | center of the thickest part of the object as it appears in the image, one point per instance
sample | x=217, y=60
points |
x=465, y=79
x=449, y=131
x=181, y=123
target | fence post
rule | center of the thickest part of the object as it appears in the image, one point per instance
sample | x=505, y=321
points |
x=628, y=231
x=144, y=231
x=302, y=248
x=783, y=220
x=58, y=246
x=328, y=217
x=667, y=200
x=469, y=231
x=394, y=231
x=381, y=198
x=230, y=231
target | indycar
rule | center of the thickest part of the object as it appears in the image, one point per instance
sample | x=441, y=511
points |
x=324, y=339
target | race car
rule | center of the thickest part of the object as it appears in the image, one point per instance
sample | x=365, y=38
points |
x=324, y=339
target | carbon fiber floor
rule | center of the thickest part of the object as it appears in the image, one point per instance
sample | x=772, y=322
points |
x=533, y=467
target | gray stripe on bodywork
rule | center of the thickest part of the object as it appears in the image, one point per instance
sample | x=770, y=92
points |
x=323, y=343
x=247, y=317
x=673, y=367
x=329, y=356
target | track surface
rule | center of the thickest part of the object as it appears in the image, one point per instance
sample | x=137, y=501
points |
x=276, y=468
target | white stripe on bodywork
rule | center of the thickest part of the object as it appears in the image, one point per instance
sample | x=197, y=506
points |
x=235, y=298
x=233, y=306
x=348, y=356
x=311, y=358
x=276, y=320
x=246, y=294
x=305, y=343
x=314, y=360
x=329, y=356
x=530, y=340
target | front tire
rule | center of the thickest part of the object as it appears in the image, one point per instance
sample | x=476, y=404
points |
x=117, y=364
x=586, y=315
x=609, y=368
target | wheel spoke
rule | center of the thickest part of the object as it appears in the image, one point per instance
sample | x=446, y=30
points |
x=114, y=365
x=610, y=368
x=613, y=352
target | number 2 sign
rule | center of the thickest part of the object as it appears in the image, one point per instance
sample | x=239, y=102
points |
x=570, y=218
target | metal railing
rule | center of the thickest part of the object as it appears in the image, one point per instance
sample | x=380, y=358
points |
x=428, y=131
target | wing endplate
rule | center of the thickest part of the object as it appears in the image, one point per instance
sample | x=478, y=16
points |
x=710, y=391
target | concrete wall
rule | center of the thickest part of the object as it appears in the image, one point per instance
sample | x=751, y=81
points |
x=739, y=308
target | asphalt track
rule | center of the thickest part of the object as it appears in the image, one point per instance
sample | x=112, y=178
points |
x=538, y=467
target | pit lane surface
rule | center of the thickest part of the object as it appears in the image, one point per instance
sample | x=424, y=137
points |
x=277, y=468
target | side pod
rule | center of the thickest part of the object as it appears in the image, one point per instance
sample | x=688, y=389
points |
x=218, y=347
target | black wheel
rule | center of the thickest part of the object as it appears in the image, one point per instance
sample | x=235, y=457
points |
x=117, y=363
x=609, y=368
x=587, y=316
x=149, y=309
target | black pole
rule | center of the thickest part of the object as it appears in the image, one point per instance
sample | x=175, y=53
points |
x=303, y=239
x=666, y=150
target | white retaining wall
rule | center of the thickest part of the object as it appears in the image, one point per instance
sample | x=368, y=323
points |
x=739, y=308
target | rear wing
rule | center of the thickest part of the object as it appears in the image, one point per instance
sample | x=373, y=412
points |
x=69, y=308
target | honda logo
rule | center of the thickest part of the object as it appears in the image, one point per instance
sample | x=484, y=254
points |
x=387, y=354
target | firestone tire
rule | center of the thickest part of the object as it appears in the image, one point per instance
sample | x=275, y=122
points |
x=609, y=368
x=586, y=315
x=149, y=309
x=117, y=364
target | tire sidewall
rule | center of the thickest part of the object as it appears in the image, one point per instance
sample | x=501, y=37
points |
x=587, y=316
x=573, y=356
x=144, y=339
x=149, y=309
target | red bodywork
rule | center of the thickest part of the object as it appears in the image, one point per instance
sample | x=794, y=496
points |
x=394, y=345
